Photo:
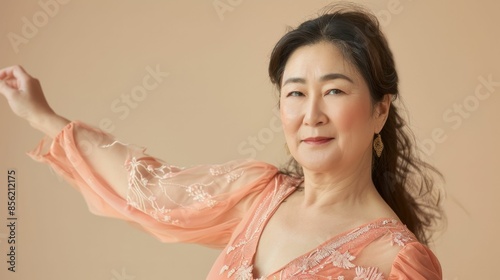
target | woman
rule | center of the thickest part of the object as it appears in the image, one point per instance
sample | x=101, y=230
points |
x=345, y=208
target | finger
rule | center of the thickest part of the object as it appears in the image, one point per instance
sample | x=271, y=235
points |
x=12, y=83
x=15, y=71
x=6, y=90
x=19, y=72
x=5, y=73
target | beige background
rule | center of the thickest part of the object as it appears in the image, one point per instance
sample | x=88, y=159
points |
x=89, y=53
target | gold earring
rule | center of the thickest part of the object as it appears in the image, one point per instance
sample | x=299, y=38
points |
x=378, y=145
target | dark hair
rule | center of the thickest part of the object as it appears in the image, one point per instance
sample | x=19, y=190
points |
x=400, y=176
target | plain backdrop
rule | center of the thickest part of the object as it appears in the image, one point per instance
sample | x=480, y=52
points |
x=217, y=104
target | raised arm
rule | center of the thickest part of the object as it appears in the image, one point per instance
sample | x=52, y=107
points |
x=26, y=99
x=201, y=204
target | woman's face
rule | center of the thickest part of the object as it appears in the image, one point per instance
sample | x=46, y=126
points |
x=326, y=111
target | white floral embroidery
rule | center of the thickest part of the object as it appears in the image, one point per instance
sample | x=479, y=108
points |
x=227, y=171
x=401, y=238
x=223, y=269
x=310, y=263
x=153, y=190
x=244, y=272
x=217, y=170
x=342, y=260
x=164, y=217
x=198, y=194
x=370, y=273
x=233, y=176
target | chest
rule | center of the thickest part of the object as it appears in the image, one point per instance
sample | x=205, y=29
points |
x=289, y=235
x=280, y=240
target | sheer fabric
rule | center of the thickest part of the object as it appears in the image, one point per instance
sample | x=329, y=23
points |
x=223, y=206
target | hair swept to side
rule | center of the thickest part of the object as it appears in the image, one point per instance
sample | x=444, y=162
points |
x=406, y=182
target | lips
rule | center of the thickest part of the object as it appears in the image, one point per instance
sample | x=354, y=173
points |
x=317, y=140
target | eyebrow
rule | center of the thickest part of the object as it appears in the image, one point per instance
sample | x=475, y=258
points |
x=327, y=77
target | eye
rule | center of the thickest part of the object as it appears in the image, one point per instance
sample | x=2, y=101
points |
x=295, y=93
x=334, y=91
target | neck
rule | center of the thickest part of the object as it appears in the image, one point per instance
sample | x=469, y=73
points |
x=339, y=188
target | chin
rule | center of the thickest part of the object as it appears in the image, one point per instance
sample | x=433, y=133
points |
x=323, y=163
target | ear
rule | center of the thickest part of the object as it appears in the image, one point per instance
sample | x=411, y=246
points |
x=381, y=112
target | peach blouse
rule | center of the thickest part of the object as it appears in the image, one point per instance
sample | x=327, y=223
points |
x=225, y=206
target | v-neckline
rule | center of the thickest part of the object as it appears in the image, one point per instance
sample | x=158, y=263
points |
x=289, y=192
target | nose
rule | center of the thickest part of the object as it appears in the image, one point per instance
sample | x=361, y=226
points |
x=314, y=114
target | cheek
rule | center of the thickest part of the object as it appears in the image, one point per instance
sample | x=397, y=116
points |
x=353, y=116
x=290, y=119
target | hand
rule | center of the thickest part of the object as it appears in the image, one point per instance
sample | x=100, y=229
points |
x=24, y=94
x=26, y=99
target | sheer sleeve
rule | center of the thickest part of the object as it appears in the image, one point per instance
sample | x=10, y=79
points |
x=201, y=204
x=416, y=262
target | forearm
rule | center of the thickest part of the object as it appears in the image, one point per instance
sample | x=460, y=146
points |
x=80, y=153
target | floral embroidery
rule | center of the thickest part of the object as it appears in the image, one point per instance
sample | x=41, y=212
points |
x=223, y=269
x=311, y=263
x=370, y=273
x=221, y=169
x=233, y=176
x=227, y=171
x=152, y=191
x=198, y=193
x=252, y=232
x=161, y=214
x=401, y=238
x=342, y=260
x=244, y=272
